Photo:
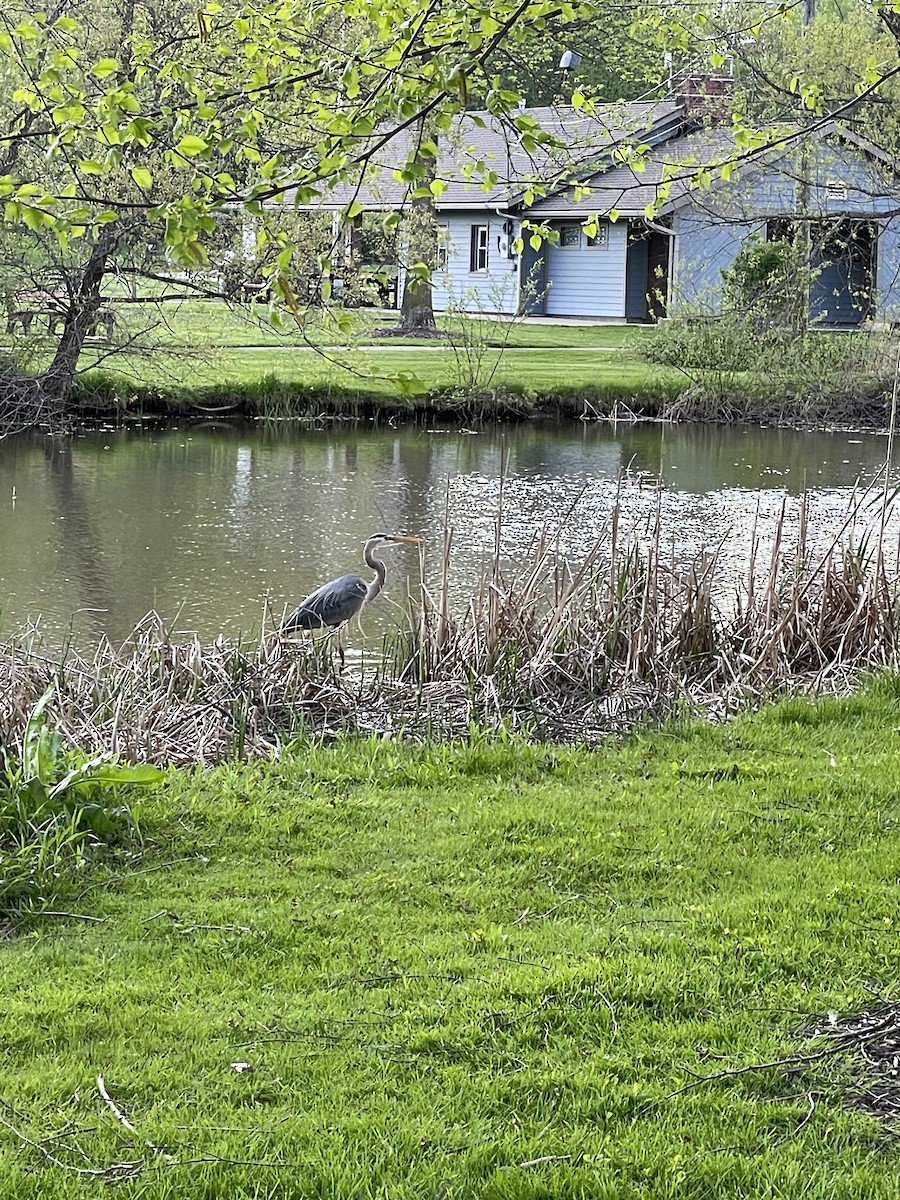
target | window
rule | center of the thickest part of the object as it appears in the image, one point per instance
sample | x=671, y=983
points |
x=600, y=240
x=478, y=249
x=443, y=241
x=781, y=229
x=835, y=191
x=569, y=236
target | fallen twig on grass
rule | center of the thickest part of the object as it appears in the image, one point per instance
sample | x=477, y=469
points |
x=113, y=1107
x=74, y=916
x=810, y=1112
x=113, y=1173
x=731, y=1072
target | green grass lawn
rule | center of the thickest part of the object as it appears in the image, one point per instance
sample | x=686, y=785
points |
x=212, y=322
x=473, y=971
x=214, y=347
x=210, y=346
x=375, y=372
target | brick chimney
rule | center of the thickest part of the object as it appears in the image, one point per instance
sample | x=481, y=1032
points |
x=706, y=98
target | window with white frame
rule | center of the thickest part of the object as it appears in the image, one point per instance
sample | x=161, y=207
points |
x=570, y=236
x=835, y=191
x=478, y=249
x=443, y=243
x=600, y=240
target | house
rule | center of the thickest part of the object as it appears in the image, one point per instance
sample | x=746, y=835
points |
x=637, y=228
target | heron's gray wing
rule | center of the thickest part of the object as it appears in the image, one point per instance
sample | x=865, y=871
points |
x=331, y=604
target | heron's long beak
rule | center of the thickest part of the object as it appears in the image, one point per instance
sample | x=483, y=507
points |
x=412, y=540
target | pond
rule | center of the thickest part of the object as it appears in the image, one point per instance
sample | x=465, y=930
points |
x=218, y=528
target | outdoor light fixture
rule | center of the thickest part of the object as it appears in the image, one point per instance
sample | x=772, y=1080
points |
x=570, y=60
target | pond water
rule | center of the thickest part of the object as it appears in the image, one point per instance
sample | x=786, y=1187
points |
x=210, y=524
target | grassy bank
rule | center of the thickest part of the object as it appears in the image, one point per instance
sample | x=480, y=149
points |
x=209, y=355
x=291, y=382
x=479, y=969
x=206, y=356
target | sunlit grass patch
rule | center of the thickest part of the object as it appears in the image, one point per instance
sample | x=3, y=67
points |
x=476, y=968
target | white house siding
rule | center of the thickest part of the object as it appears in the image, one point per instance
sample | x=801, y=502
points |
x=588, y=281
x=491, y=291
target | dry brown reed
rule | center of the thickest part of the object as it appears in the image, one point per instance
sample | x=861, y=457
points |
x=161, y=701
x=551, y=638
x=564, y=651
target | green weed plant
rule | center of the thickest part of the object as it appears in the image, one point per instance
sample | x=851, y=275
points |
x=58, y=807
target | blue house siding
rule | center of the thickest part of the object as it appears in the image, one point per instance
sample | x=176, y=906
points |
x=703, y=250
x=493, y=290
x=887, y=273
x=585, y=280
x=842, y=185
x=871, y=190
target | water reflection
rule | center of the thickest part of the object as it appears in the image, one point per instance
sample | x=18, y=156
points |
x=207, y=524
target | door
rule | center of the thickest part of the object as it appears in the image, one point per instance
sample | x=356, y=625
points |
x=843, y=262
x=646, y=273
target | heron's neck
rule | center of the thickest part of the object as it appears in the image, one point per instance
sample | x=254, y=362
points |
x=378, y=567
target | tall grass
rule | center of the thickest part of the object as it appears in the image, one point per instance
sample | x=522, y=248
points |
x=630, y=620
x=568, y=650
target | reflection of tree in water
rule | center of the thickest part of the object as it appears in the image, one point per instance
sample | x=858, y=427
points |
x=80, y=541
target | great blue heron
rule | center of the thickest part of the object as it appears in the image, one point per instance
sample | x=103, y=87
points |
x=337, y=601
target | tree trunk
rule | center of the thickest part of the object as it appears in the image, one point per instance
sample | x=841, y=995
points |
x=416, y=310
x=80, y=319
x=416, y=306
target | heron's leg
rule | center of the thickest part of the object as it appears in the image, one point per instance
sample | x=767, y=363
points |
x=339, y=638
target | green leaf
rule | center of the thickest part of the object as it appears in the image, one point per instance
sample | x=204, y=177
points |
x=98, y=770
x=105, y=67
x=142, y=177
x=32, y=761
x=35, y=219
x=407, y=384
x=192, y=145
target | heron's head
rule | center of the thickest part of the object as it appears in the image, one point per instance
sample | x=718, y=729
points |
x=391, y=539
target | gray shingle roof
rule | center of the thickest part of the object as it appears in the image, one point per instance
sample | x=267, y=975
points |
x=629, y=190
x=479, y=142
x=584, y=150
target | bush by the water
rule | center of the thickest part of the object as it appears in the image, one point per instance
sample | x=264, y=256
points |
x=731, y=365
x=758, y=356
